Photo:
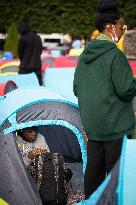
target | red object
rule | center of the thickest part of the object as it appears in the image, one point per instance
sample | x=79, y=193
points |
x=2, y=88
x=47, y=62
x=59, y=62
x=7, y=87
x=133, y=66
x=2, y=62
x=65, y=62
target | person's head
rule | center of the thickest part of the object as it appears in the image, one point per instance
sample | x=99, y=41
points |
x=109, y=20
x=77, y=37
x=29, y=134
x=23, y=28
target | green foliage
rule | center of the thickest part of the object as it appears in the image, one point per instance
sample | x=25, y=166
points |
x=11, y=43
x=60, y=16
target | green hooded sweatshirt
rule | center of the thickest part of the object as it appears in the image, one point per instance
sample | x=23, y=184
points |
x=104, y=86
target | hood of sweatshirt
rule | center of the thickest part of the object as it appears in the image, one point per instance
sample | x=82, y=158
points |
x=24, y=28
x=95, y=49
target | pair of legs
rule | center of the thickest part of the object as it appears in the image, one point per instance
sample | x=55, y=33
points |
x=38, y=74
x=101, y=157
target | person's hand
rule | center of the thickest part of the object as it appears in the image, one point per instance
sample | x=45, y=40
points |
x=35, y=152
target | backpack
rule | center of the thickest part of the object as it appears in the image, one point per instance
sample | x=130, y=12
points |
x=51, y=177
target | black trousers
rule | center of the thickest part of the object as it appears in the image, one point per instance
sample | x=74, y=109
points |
x=101, y=157
x=38, y=74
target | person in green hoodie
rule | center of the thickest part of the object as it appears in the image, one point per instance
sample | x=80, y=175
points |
x=105, y=87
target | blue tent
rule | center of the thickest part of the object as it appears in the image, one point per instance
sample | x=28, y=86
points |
x=22, y=80
x=61, y=80
x=44, y=108
x=57, y=119
x=120, y=185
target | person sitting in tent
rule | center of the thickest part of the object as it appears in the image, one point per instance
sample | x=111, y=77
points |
x=31, y=144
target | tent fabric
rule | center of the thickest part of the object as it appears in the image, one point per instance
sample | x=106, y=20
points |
x=42, y=107
x=57, y=119
x=22, y=80
x=55, y=53
x=10, y=66
x=133, y=67
x=49, y=112
x=16, y=185
x=2, y=88
x=66, y=61
x=76, y=51
x=106, y=192
x=59, y=62
x=24, y=96
x=93, y=199
x=69, y=147
x=61, y=81
x=109, y=195
x=7, y=87
x=7, y=63
x=8, y=73
x=119, y=189
x=9, y=69
x=67, y=144
x=127, y=180
x=47, y=62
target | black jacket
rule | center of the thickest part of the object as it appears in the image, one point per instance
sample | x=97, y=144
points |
x=29, y=50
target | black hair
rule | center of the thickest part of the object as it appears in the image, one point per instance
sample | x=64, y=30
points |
x=20, y=132
x=107, y=12
x=24, y=28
